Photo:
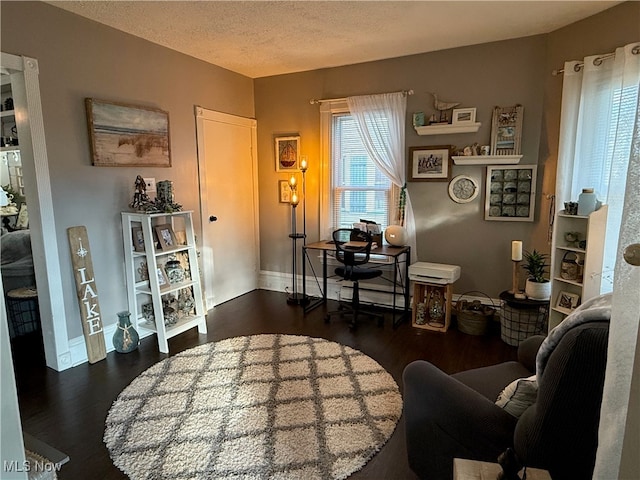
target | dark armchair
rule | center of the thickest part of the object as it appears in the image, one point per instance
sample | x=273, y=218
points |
x=449, y=416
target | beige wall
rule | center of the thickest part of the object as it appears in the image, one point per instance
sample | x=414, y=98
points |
x=79, y=58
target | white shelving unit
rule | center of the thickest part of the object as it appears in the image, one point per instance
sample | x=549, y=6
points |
x=447, y=128
x=141, y=291
x=590, y=229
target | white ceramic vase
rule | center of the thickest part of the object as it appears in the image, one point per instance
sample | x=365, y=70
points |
x=538, y=290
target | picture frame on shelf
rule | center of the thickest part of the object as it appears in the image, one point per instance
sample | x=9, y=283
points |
x=181, y=237
x=510, y=194
x=506, y=130
x=138, y=239
x=463, y=116
x=123, y=135
x=166, y=236
x=568, y=300
x=163, y=280
x=430, y=164
x=287, y=153
x=284, y=191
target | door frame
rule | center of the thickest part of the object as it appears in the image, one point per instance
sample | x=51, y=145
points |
x=202, y=115
x=25, y=88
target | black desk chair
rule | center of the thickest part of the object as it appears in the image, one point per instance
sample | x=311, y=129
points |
x=351, y=256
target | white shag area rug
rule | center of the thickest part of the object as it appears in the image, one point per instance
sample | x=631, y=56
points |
x=257, y=407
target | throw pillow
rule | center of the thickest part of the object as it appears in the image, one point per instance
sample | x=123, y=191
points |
x=518, y=396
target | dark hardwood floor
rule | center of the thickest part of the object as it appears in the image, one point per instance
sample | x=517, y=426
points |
x=67, y=409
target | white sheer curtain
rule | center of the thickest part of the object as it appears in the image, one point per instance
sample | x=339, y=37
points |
x=599, y=108
x=616, y=421
x=381, y=123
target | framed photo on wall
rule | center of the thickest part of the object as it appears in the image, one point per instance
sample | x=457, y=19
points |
x=284, y=191
x=430, y=164
x=124, y=135
x=287, y=153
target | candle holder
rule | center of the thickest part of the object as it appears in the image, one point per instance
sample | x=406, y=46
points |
x=515, y=290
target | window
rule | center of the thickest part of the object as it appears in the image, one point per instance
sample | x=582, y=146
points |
x=356, y=188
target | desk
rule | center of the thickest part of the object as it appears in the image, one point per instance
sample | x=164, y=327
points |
x=397, y=254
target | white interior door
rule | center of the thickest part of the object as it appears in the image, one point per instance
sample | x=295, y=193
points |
x=227, y=160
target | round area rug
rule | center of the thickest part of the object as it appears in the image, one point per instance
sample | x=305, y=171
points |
x=263, y=406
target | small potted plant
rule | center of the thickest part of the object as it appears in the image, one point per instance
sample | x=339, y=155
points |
x=537, y=286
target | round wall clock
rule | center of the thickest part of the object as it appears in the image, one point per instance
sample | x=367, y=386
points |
x=463, y=189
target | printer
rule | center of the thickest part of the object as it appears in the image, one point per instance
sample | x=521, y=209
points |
x=439, y=273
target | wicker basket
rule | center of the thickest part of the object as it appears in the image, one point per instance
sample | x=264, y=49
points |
x=473, y=317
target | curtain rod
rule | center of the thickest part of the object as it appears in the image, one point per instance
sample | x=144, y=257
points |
x=596, y=61
x=315, y=101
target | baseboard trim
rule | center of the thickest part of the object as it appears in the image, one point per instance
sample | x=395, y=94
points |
x=78, y=347
x=370, y=293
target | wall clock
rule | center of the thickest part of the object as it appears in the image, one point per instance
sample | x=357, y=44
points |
x=463, y=189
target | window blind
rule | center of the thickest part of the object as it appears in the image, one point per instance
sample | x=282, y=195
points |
x=359, y=189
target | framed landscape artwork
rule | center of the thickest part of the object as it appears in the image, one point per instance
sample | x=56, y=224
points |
x=127, y=136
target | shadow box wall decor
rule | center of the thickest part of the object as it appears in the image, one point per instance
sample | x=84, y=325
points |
x=127, y=136
x=430, y=164
x=510, y=193
x=287, y=153
x=506, y=130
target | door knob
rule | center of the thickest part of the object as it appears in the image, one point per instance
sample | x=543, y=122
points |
x=631, y=254
x=213, y=218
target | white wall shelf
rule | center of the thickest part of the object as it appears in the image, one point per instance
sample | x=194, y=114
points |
x=486, y=159
x=446, y=129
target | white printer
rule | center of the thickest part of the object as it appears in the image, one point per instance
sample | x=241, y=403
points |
x=434, y=273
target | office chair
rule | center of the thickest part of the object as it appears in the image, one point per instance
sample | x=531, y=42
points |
x=352, y=256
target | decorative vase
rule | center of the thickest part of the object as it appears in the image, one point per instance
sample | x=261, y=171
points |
x=538, y=290
x=126, y=338
x=436, y=307
x=174, y=271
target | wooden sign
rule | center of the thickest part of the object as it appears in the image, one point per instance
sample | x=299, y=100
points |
x=87, y=293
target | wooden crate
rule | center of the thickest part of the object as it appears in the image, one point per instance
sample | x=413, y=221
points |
x=424, y=293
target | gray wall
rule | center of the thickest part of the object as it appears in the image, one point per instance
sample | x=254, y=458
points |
x=481, y=76
x=79, y=58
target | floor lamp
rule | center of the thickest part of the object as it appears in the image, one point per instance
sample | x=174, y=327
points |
x=295, y=298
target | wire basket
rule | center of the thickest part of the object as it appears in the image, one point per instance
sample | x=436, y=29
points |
x=518, y=324
x=473, y=317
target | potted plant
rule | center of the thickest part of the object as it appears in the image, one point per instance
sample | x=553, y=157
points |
x=537, y=286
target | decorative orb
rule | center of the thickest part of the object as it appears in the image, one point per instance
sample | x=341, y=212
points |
x=396, y=235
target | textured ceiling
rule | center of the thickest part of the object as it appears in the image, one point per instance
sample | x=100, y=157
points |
x=263, y=38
